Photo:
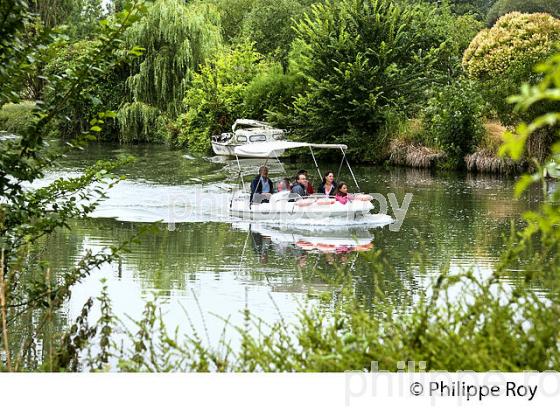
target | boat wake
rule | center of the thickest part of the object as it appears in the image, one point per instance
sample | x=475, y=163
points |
x=146, y=201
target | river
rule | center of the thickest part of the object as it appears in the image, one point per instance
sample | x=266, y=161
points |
x=204, y=267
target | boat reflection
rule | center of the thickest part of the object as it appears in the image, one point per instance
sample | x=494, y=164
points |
x=299, y=241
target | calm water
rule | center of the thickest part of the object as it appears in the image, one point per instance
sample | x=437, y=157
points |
x=205, y=267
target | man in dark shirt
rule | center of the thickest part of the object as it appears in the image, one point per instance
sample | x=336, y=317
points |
x=262, y=186
x=309, y=187
x=300, y=186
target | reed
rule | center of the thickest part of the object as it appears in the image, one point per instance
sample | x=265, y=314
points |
x=487, y=161
x=413, y=154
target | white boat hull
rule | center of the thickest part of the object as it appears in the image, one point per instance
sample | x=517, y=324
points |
x=284, y=211
x=227, y=150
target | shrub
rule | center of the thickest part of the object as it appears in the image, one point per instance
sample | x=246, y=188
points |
x=502, y=58
x=105, y=90
x=503, y=7
x=516, y=39
x=360, y=60
x=453, y=119
x=15, y=118
x=270, y=92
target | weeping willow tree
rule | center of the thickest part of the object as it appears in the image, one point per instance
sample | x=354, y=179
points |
x=177, y=38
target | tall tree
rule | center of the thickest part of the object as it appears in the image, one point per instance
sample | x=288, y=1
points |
x=362, y=59
x=177, y=38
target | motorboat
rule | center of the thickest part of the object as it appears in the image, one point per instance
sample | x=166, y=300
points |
x=288, y=208
x=246, y=132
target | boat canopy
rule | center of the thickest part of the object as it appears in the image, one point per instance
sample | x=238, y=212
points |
x=267, y=149
x=243, y=122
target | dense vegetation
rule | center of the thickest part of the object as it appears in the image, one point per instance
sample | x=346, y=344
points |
x=353, y=71
x=489, y=327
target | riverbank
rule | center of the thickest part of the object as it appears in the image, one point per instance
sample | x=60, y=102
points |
x=406, y=146
x=407, y=149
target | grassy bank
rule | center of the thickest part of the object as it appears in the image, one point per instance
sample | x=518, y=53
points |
x=410, y=147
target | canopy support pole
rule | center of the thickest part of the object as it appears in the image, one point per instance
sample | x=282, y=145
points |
x=280, y=162
x=315, y=161
x=349, y=168
x=240, y=173
x=340, y=168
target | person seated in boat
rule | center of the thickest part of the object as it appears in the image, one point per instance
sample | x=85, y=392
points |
x=300, y=186
x=328, y=186
x=283, y=185
x=309, y=187
x=341, y=193
x=261, y=187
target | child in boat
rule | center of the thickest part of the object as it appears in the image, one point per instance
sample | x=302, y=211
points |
x=341, y=193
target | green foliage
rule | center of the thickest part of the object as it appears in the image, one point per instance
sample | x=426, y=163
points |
x=16, y=118
x=270, y=93
x=103, y=91
x=453, y=119
x=459, y=323
x=176, y=39
x=503, y=7
x=477, y=8
x=140, y=119
x=28, y=292
x=232, y=15
x=56, y=12
x=238, y=83
x=269, y=26
x=516, y=39
x=542, y=226
x=79, y=17
x=361, y=59
x=502, y=58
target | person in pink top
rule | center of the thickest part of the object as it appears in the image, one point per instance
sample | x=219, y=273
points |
x=341, y=193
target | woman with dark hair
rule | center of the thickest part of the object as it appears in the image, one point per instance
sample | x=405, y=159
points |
x=328, y=186
x=341, y=193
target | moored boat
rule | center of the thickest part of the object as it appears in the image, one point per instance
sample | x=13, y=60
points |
x=245, y=131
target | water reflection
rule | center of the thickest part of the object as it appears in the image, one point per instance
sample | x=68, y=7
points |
x=288, y=241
